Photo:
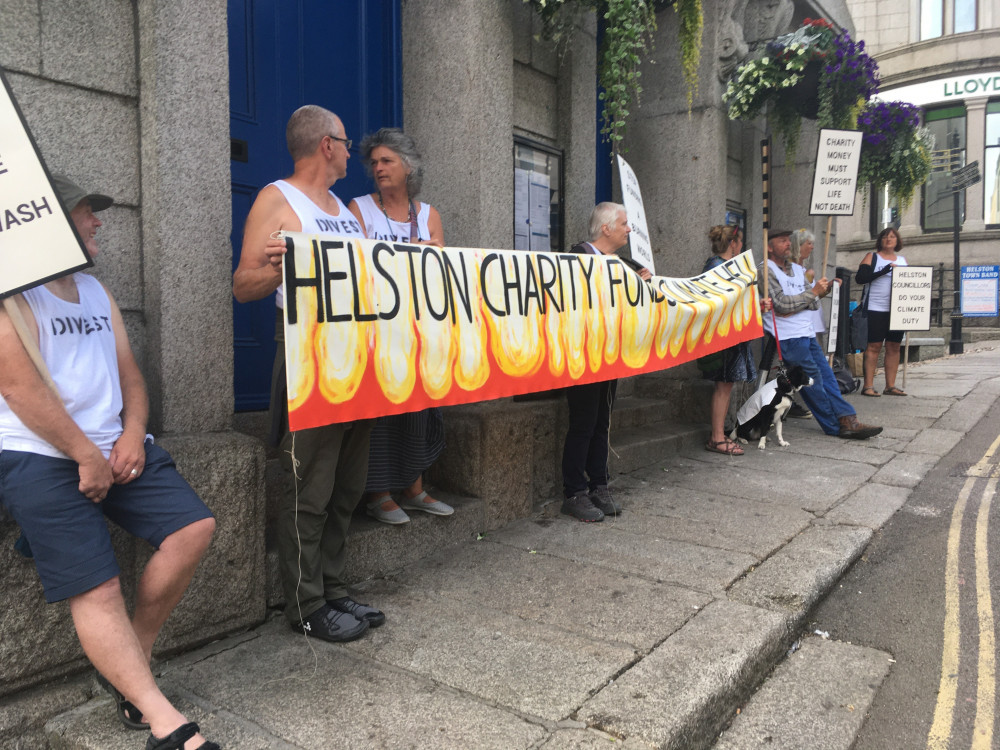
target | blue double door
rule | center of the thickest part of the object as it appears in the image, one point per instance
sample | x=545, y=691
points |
x=340, y=54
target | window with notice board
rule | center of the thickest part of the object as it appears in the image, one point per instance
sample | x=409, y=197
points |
x=538, y=196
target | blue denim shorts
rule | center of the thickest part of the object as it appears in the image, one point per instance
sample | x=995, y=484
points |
x=67, y=532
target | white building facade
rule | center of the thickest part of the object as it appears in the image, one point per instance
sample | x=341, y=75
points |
x=944, y=57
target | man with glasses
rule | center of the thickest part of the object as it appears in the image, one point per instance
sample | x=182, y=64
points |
x=331, y=462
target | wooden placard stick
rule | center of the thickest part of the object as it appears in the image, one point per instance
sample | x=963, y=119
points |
x=765, y=165
x=826, y=244
x=906, y=355
x=30, y=345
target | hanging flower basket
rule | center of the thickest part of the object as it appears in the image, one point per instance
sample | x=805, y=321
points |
x=895, y=151
x=816, y=72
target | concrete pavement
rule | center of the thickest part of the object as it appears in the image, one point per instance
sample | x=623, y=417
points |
x=650, y=630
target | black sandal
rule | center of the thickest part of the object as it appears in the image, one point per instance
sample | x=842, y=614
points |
x=176, y=739
x=129, y=715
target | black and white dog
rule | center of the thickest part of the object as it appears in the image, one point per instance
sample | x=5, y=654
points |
x=767, y=407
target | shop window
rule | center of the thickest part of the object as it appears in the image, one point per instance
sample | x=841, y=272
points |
x=965, y=16
x=991, y=166
x=947, y=125
x=538, y=196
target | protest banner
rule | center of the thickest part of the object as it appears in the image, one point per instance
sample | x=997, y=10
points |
x=37, y=240
x=375, y=328
x=638, y=240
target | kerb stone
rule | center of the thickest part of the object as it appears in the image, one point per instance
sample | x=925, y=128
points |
x=682, y=693
x=795, y=577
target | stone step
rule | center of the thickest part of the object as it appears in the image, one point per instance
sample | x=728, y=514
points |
x=970, y=334
x=636, y=447
x=636, y=411
x=94, y=726
x=822, y=692
x=375, y=549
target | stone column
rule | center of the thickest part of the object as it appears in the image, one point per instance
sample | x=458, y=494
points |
x=184, y=121
x=187, y=261
x=458, y=106
x=679, y=156
x=577, y=117
x=975, y=148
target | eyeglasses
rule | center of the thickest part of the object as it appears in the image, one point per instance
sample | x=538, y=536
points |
x=345, y=141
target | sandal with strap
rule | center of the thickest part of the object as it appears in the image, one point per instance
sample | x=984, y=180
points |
x=129, y=715
x=176, y=739
x=894, y=391
x=870, y=392
x=726, y=447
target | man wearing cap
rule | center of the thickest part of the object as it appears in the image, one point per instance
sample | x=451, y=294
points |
x=70, y=459
x=794, y=300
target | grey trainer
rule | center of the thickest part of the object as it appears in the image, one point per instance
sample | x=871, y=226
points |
x=580, y=507
x=602, y=500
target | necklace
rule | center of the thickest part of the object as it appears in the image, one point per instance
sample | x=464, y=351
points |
x=411, y=218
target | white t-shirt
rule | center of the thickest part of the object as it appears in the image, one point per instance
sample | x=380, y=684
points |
x=881, y=288
x=378, y=226
x=317, y=221
x=78, y=345
x=800, y=324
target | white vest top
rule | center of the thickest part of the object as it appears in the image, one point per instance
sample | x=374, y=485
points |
x=380, y=227
x=317, y=221
x=800, y=324
x=881, y=288
x=78, y=346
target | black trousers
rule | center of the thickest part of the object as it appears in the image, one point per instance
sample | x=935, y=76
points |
x=585, y=452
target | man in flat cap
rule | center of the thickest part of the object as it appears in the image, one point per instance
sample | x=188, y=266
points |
x=72, y=457
x=794, y=300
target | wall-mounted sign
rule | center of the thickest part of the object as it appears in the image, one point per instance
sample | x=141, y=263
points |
x=980, y=291
x=950, y=89
x=37, y=240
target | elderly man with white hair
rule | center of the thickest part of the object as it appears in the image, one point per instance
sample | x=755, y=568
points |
x=585, y=452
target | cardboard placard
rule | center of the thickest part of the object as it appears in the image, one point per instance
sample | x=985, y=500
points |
x=38, y=242
x=831, y=339
x=835, y=180
x=910, y=300
x=642, y=249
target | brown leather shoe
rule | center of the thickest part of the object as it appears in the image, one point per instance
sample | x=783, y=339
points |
x=852, y=429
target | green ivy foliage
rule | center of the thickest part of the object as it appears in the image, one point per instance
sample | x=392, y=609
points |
x=628, y=38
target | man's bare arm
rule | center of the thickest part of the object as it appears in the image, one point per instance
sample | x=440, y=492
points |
x=256, y=276
x=129, y=452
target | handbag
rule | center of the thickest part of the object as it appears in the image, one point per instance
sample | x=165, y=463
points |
x=859, y=323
